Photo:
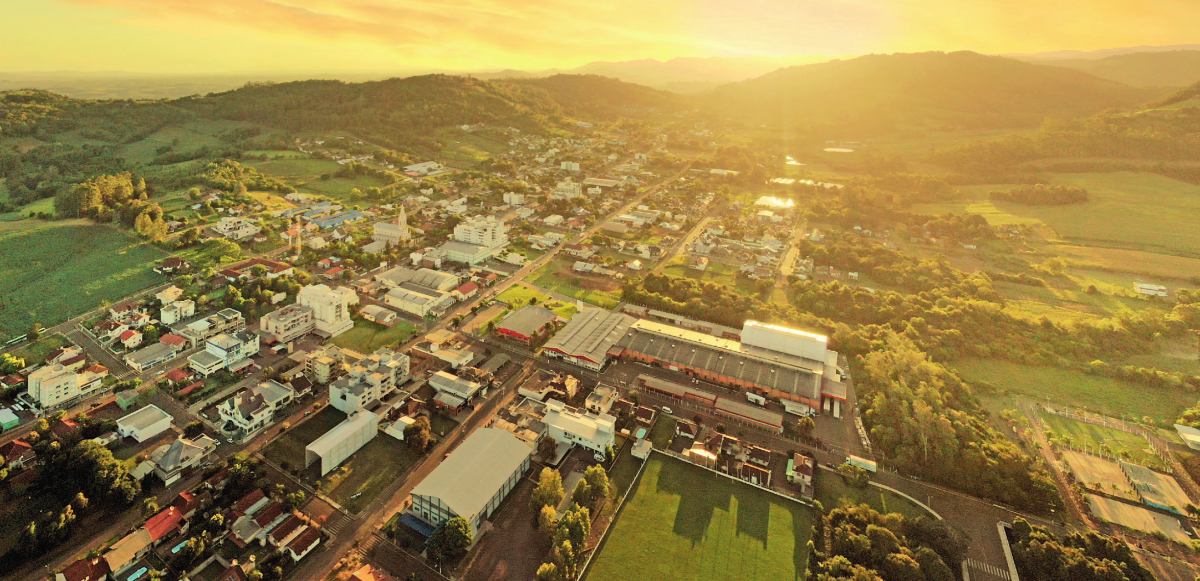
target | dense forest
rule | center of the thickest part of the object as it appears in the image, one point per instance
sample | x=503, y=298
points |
x=1041, y=556
x=859, y=544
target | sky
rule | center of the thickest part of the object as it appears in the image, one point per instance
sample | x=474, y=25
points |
x=227, y=36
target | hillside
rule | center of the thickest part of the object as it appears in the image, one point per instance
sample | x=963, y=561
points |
x=1176, y=68
x=878, y=94
x=598, y=97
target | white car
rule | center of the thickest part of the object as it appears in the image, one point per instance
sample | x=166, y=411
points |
x=667, y=410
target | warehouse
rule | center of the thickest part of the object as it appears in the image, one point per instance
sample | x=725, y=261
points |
x=587, y=339
x=144, y=424
x=473, y=480
x=527, y=325
x=342, y=441
x=770, y=360
x=749, y=414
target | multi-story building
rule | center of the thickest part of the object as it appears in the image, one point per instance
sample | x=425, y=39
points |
x=566, y=424
x=289, y=323
x=369, y=380
x=54, y=385
x=225, y=321
x=254, y=408
x=225, y=351
x=567, y=190
x=514, y=199
x=177, y=311
x=489, y=232
x=236, y=228
x=330, y=306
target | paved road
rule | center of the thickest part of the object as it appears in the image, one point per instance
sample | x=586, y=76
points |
x=681, y=249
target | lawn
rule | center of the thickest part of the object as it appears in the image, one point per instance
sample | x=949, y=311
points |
x=1067, y=387
x=368, y=472
x=1155, y=213
x=555, y=276
x=683, y=523
x=51, y=271
x=830, y=489
x=663, y=432
x=520, y=295
x=35, y=353
x=289, y=447
x=367, y=336
x=1090, y=436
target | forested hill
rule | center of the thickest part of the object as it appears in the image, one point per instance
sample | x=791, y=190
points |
x=878, y=94
x=597, y=97
x=1175, y=68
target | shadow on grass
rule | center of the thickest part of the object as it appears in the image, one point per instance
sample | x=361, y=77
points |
x=753, y=514
x=700, y=495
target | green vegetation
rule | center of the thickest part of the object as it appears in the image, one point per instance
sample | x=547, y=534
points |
x=1100, y=394
x=366, y=336
x=555, y=276
x=686, y=523
x=832, y=491
x=1040, y=556
x=287, y=450
x=36, y=352
x=519, y=295
x=54, y=271
x=1098, y=439
x=857, y=542
x=663, y=431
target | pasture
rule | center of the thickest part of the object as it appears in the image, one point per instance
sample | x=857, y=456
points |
x=520, y=295
x=1155, y=213
x=684, y=523
x=1065, y=386
x=52, y=271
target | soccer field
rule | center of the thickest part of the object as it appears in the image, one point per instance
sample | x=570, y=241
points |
x=682, y=523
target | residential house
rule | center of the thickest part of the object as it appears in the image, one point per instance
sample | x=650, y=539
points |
x=236, y=228
x=225, y=351
x=177, y=311
x=254, y=408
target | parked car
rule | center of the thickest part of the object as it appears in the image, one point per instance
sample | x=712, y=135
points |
x=667, y=410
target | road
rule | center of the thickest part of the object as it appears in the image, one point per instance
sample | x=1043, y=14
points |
x=681, y=249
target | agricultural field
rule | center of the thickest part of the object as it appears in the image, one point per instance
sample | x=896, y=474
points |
x=684, y=523
x=366, y=336
x=1064, y=386
x=831, y=490
x=51, y=271
x=466, y=150
x=1091, y=438
x=1135, y=262
x=1166, y=225
x=305, y=174
x=556, y=276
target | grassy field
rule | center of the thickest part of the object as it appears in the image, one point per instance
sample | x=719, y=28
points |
x=369, y=471
x=305, y=175
x=830, y=489
x=290, y=446
x=1156, y=213
x=35, y=353
x=684, y=523
x=1131, y=261
x=556, y=276
x=1090, y=437
x=520, y=295
x=663, y=432
x=51, y=271
x=366, y=336
x=466, y=150
x=1064, y=386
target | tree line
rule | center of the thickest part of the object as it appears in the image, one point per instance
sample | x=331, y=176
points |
x=1041, y=195
x=859, y=544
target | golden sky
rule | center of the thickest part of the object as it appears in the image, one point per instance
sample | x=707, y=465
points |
x=210, y=36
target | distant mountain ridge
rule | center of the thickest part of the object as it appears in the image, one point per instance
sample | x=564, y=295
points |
x=877, y=94
x=1177, y=68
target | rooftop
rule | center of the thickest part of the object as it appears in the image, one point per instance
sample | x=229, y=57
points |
x=528, y=320
x=144, y=418
x=471, y=475
x=590, y=334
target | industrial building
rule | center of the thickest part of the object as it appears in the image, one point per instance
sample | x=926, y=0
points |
x=589, y=337
x=342, y=441
x=473, y=480
x=150, y=356
x=770, y=360
x=453, y=392
x=144, y=424
x=527, y=325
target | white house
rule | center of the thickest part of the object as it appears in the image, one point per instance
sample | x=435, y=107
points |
x=254, y=408
x=587, y=430
x=236, y=228
x=144, y=423
x=177, y=311
x=225, y=351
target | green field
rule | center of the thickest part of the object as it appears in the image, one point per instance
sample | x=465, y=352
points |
x=368, y=472
x=663, y=432
x=1155, y=213
x=305, y=175
x=553, y=276
x=519, y=295
x=466, y=150
x=830, y=489
x=366, y=336
x=1067, y=387
x=1090, y=436
x=683, y=523
x=289, y=447
x=51, y=271
x=35, y=353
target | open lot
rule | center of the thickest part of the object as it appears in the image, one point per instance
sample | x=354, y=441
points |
x=682, y=522
x=1099, y=474
x=556, y=276
x=36, y=352
x=1064, y=386
x=1123, y=444
x=1137, y=518
x=288, y=449
x=520, y=295
x=360, y=479
x=51, y=271
x=366, y=336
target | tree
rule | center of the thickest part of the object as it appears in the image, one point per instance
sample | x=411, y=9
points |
x=598, y=484
x=418, y=435
x=80, y=501
x=548, y=572
x=582, y=495
x=193, y=429
x=546, y=447
x=149, y=506
x=548, y=521
x=35, y=333
x=549, y=490
x=452, y=540
x=805, y=427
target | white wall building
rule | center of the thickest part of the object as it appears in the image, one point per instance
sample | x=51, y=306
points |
x=488, y=232
x=144, y=423
x=570, y=166
x=254, y=408
x=236, y=228
x=393, y=232
x=177, y=311
x=342, y=441
x=566, y=424
x=371, y=379
x=514, y=199
x=53, y=385
x=289, y=323
x=224, y=351
x=331, y=307
x=567, y=190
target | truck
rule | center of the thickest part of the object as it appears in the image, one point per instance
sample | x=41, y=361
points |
x=756, y=399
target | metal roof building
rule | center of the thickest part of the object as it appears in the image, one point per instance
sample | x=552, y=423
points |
x=473, y=480
x=342, y=441
x=587, y=339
